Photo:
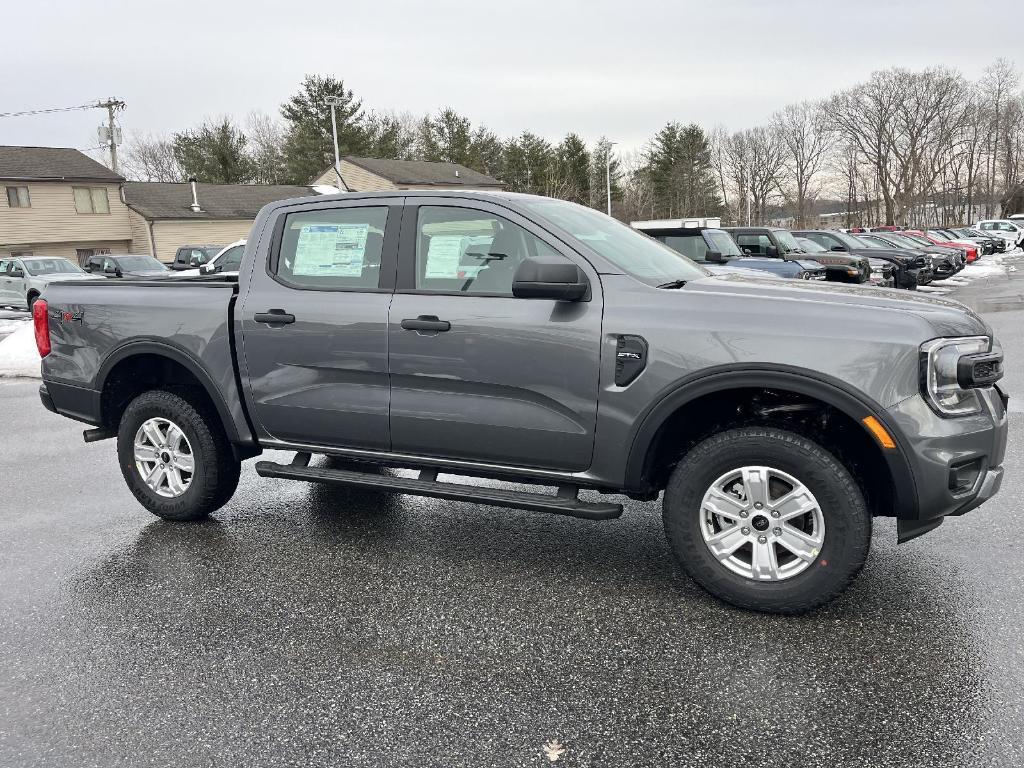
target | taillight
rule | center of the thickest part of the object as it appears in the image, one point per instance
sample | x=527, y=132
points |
x=41, y=322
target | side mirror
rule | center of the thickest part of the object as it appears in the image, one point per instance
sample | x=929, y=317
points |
x=838, y=248
x=547, y=278
x=714, y=257
x=110, y=269
x=746, y=251
x=771, y=250
x=17, y=272
x=206, y=269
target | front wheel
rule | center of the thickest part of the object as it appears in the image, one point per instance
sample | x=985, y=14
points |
x=175, y=457
x=767, y=520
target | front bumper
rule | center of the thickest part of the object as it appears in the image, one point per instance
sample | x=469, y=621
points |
x=956, y=462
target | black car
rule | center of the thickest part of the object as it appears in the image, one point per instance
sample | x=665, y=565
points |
x=192, y=256
x=777, y=242
x=956, y=255
x=988, y=243
x=912, y=270
x=137, y=266
x=945, y=262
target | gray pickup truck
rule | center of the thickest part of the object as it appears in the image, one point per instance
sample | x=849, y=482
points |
x=494, y=335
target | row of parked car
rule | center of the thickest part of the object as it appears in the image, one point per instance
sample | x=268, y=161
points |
x=886, y=257
x=23, y=278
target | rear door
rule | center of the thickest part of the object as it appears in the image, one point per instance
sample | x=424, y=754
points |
x=6, y=283
x=499, y=379
x=314, y=324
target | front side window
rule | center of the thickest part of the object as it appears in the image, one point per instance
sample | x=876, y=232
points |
x=231, y=259
x=691, y=246
x=18, y=197
x=332, y=248
x=91, y=200
x=463, y=250
x=754, y=243
x=723, y=243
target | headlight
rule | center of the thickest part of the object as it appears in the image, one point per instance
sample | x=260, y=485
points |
x=804, y=275
x=939, y=380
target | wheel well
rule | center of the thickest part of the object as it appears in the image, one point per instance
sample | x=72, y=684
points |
x=139, y=373
x=822, y=422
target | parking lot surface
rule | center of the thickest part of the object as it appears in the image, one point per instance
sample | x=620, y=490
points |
x=311, y=625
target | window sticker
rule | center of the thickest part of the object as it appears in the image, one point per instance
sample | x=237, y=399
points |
x=331, y=249
x=444, y=256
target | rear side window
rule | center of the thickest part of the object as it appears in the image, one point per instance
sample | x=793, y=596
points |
x=332, y=248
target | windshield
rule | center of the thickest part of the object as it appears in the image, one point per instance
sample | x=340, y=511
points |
x=635, y=254
x=810, y=246
x=849, y=240
x=903, y=241
x=139, y=263
x=787, y=243
x=52, y=267
x=870, y=242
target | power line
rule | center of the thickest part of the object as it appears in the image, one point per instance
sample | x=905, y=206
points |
x=47, y=111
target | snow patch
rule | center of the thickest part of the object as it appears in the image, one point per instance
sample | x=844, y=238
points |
x=19, y=357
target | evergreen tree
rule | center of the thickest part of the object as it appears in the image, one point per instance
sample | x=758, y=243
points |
x=214, y=153
x=487, y=153
x=309, y=144
x=681, y=172
x=600, y=170
x=572, y=170
x=390, y=137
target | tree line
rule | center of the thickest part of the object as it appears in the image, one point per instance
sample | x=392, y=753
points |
x=906, y=147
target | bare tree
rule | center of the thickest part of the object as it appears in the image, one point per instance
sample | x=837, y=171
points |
x=266, y=147
x=806, y=143
x=997, y=83
x=151, y=158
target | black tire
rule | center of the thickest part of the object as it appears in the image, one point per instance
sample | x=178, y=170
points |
x=31, y=299
x=216, y=470
x=847, y=521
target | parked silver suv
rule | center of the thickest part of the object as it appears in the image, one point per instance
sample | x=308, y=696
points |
x=23, y=278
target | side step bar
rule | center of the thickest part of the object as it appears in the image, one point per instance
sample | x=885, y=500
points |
x=565, y=503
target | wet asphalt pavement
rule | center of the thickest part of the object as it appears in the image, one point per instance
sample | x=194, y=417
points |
x=311, y=625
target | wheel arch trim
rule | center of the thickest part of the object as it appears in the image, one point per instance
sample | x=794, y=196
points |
x=820, y=386
x=177, y=355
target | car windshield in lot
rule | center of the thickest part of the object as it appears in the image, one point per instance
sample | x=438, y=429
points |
x=723, y=243
x=809, y=246
x=902, y=241
x=37, y=267
x=635, y=254
x=139, y=263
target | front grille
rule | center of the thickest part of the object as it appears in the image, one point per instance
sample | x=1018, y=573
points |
x=919, y=261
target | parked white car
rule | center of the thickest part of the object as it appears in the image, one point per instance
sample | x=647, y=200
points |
x=224, y=263
x=22, y=279
x=1012, y=231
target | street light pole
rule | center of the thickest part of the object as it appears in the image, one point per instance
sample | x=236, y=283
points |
x=333, y=101
x=608, y=175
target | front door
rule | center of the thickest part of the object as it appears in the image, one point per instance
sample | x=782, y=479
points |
x=6, y=283
x=314, y=325
x=477, y=374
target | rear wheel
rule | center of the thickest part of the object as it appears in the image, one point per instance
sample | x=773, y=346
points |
x=767, y=519
x=31, y=299
x=175, y=457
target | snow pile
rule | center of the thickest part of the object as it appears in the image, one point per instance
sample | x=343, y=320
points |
x=18, y=354
x=986, y=266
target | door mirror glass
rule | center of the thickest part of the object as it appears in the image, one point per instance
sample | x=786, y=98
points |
x=715, y=257
x=110, y=269
x=546, y=277
x=771, y=250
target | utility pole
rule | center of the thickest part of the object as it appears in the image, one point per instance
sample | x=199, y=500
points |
x=608, y=174
x=333, y=101
x=112, y=105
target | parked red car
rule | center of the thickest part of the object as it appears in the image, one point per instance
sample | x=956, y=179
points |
x=971, y=251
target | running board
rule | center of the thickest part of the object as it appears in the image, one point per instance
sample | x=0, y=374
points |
x=565, y=503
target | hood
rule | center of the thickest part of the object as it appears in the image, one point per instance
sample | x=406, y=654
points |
x=832, y=258
x=946, y=317
x=887, y=254
x=808, y=264
x=62, y=276
x=149, y=273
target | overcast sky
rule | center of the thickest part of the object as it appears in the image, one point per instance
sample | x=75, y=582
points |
x=621, y=69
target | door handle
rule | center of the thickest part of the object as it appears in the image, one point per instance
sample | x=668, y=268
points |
x=274, y=317
x=426, y=323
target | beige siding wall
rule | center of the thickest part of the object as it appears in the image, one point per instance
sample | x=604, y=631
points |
x=66, y=250
x=52, y=217
x=139, y=228
x=356, y=179
x=171, y=235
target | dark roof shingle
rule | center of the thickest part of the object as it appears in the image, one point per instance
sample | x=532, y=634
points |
x=51, y=164
x=424, y=172
x=166, y=200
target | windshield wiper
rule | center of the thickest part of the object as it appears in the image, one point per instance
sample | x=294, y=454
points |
x=673, y=284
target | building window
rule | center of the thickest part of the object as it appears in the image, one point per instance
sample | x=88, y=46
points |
x=91, y=200
x=17, y=197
